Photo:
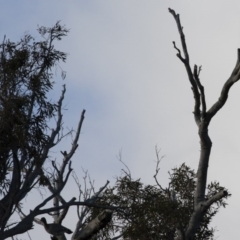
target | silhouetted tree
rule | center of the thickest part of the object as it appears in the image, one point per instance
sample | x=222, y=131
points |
x=26, y=77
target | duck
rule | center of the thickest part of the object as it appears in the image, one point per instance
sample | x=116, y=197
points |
x=55, y=229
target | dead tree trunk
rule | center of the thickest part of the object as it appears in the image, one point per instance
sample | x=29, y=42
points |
x=203, y=118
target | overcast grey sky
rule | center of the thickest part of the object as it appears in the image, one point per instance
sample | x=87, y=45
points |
x=123, y=70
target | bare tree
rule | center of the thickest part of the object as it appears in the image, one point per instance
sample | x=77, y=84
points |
x=202, y=118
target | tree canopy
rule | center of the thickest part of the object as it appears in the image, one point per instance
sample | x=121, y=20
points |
x=154, y=212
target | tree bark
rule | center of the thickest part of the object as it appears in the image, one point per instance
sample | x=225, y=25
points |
x=94, y=226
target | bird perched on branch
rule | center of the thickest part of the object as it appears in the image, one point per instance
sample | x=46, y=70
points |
x=54, y=228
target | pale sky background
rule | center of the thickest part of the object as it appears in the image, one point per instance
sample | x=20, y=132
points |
x=123, y=70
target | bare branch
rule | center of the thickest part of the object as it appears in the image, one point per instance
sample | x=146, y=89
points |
x=55, y=167
x=59, y=119
x=128, y=172
x=201, y=88
x=74, y=144
x=86, y=209
x=235, y=76
x=56, y=192
x=186, y=62
x=179, y=53
x=158, y=168
x=180, y=29
x=215, y=198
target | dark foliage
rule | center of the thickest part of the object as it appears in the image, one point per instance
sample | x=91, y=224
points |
x=152, y=212
x=25, y=80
